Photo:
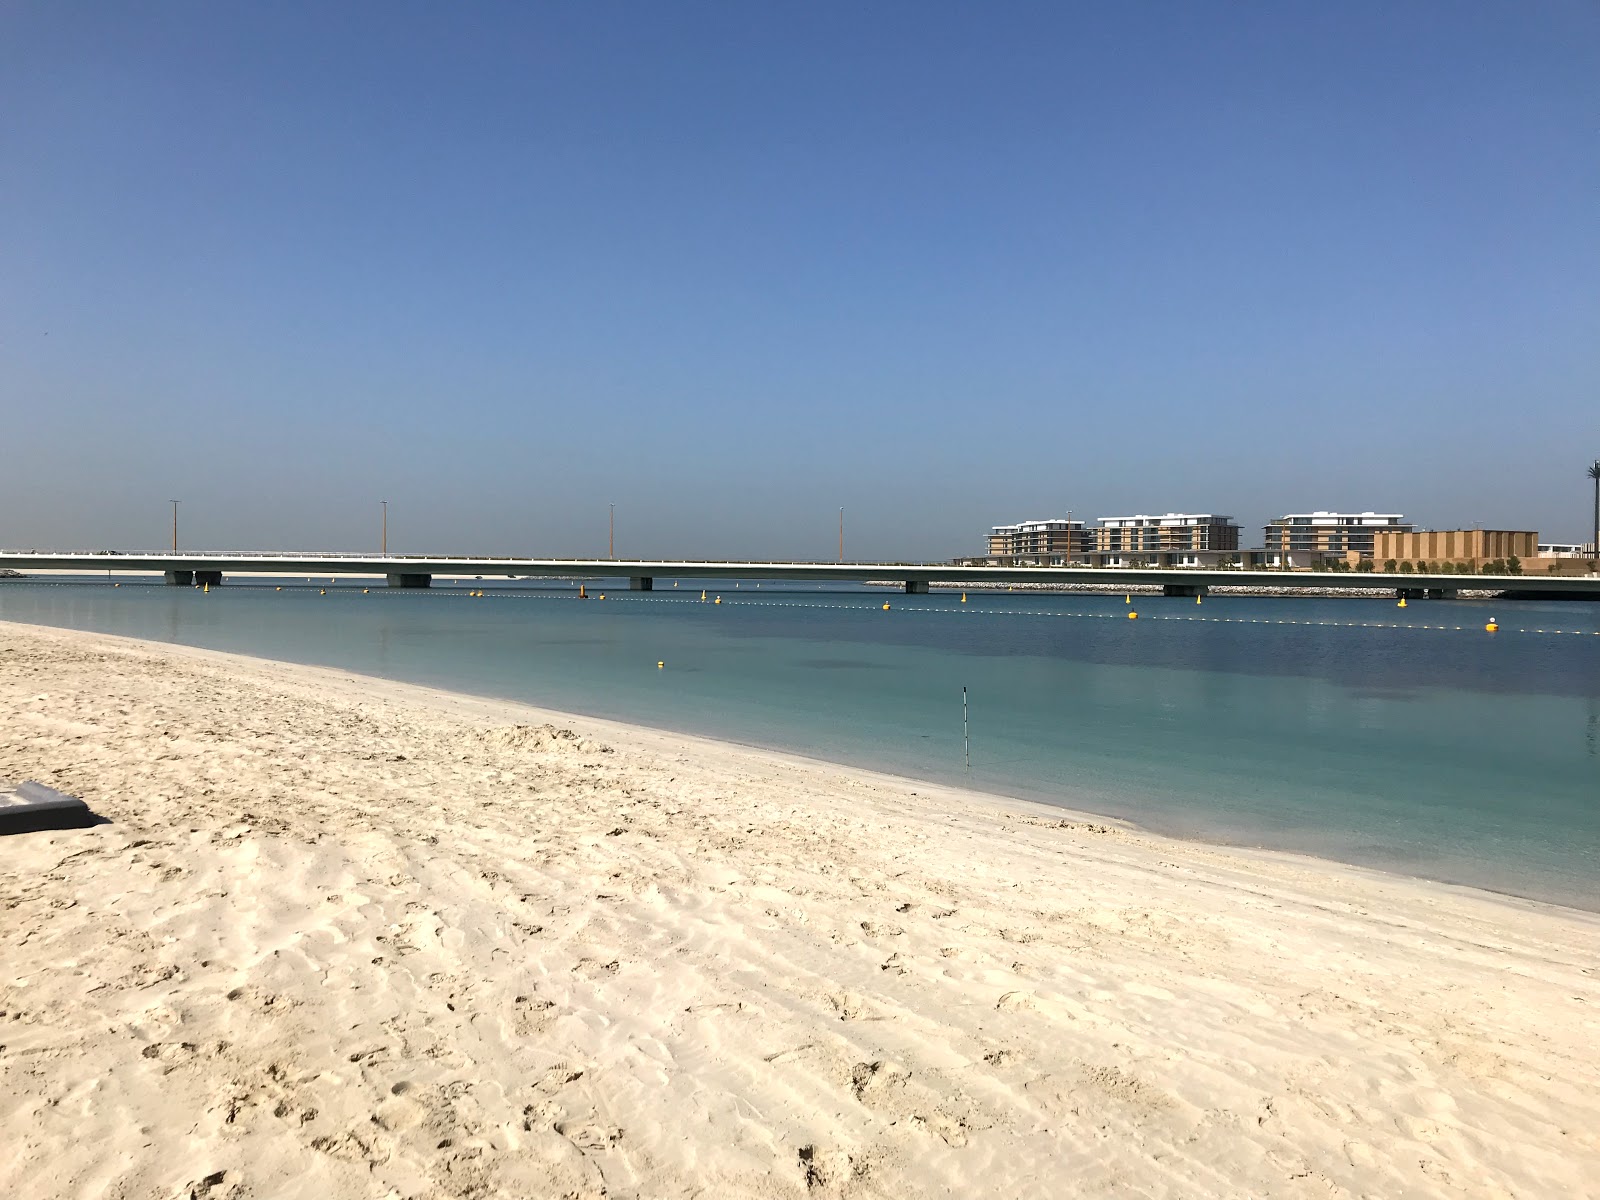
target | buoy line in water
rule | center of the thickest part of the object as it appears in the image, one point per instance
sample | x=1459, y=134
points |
x=1493, y=626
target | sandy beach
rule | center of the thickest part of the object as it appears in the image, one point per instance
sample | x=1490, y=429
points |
x=350, y=938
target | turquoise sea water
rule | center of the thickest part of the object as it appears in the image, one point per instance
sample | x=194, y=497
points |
x=1404, y=739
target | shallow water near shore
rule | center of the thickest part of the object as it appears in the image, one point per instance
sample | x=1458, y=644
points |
x=1408, y=740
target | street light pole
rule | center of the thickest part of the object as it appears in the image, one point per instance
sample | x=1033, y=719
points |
x=174, y=526
x=841, y=535
x=1594, y=474
x=611, y=535
x=385, y=542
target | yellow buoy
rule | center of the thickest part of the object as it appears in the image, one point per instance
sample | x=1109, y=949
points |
x=1492, y=626
x=365, y=591
x=963, y=597
x=718, y=600
x=116, y=585
x=1402, y=603
x=886, y=607
x=659, y=665
x=1133, y=616
x=602, y=595
x=277, y=589
x=322, y=591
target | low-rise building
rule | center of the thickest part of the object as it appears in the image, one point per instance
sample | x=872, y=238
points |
x=1170, y=533
x=1566, y=549
x=1051, y=543
x=1330, y=534
x=1471, y=546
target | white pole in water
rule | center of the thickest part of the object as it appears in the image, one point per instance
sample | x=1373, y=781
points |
x=966, y=744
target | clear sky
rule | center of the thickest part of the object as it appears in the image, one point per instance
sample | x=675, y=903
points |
x=733, y=266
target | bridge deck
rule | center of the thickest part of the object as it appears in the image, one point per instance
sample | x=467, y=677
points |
x=916, y=576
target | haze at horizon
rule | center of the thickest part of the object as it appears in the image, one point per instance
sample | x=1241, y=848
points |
x=734, y=269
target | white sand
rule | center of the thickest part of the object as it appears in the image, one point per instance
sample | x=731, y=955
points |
x=347, y=938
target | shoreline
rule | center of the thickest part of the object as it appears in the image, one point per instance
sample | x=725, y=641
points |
x=347, y=936
x=505, y=708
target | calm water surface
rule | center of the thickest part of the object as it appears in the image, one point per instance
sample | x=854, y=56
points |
x=1347, y=728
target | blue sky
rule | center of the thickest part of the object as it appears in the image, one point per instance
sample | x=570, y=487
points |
x=734, y=266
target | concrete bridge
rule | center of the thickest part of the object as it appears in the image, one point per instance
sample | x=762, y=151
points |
x=417, y=571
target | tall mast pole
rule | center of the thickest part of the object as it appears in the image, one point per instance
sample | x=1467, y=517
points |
x=1594, y=473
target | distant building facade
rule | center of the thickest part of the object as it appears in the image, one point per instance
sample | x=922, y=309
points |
x=1047, y=543
x=1170, y=533
x=1566, y=549
x=1330, y=534
x=1296, y=541
x=1471, y=546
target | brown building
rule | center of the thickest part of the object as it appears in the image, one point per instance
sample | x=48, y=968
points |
x=1471, y=546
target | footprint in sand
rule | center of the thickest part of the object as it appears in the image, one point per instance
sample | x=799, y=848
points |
x=588, y=1136
x=399, y=1113
x=531, y=1016
x=350, y=1146
x=556, y=1078
x=1130, y=1089
x=828, y=1170
x=170, y=1052
x=848, y=1006
x=952, y=1131
x=219, y=1185
x=872, y=1081
x=260, y=1000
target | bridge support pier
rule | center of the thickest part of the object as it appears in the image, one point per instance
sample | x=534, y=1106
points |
x=1442, y=593
x=406, y=579
x=1409, y=593
x=1184, y=589
x=641, y=583
x=180, y=578
x=208, y=578
x=916, y=587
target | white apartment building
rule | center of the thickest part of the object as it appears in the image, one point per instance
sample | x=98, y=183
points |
x=1330, y=533
x=1169, y=533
